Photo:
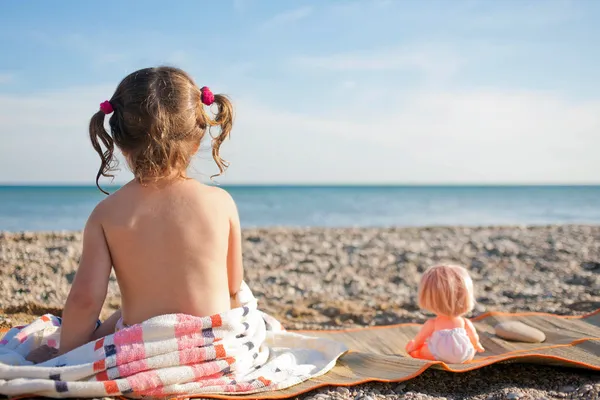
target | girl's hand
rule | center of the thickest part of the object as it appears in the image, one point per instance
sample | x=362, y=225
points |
x=479, y=348
x=410, y=346
x=42, y=354
x=234, y=302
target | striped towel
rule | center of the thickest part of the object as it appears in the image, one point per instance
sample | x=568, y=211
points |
x=239, y=351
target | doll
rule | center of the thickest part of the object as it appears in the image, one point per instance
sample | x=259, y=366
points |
x=446, y=291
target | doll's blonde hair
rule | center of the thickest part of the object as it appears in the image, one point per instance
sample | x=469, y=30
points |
x=446, y=290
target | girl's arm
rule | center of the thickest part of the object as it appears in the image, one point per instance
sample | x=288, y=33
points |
x=235, y=270
x=472, y=333
x=89, y=288
x=422, y=336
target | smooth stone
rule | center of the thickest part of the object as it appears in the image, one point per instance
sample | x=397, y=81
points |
x=567, y=389
x=400, y=387
x=519, y=332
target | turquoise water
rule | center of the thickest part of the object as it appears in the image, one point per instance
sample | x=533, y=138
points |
x=67, y=208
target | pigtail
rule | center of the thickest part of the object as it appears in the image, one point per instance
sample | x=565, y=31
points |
x=223, y=119
x=99, y=135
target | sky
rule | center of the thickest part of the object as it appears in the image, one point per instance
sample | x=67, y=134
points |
x=348, y=92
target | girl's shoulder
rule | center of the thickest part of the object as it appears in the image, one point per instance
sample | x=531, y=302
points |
x=216, y=197
x=215, y=192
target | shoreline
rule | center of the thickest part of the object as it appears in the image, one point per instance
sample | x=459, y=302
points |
x=332, y=278
x=341, y=227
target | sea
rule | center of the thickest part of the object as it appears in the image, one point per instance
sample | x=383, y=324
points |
x=52, y=208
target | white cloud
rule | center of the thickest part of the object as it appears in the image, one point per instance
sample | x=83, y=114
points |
x=288, y=17
x=45, y=135
x=523, y=14
x=425, y=136
x=469, y=136
x=476, y=14
x=110, y=53
x=240, y=6
x=383, y=3
x=6, y=77
x=434, y=61
x=96, y=49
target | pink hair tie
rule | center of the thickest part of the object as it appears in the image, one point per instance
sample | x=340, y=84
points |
x=106, y=107
x=207, y=96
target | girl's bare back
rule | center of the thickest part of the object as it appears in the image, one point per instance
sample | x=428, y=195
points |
x=169, y=246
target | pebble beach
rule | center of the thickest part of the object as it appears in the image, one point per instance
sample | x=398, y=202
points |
x=327, y=278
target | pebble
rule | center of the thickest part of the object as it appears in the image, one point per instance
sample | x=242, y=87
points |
x=400, y=388
x=567, y=389
x=519, y=332
x=512, y=396
x=591, y=266
x=343, y=391
x=586, y=388
x=320, y=278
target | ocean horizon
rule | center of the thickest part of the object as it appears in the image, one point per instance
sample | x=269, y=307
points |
x=67, y=206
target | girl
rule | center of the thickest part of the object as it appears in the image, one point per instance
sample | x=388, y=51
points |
x=175, y=244
x=447, y=291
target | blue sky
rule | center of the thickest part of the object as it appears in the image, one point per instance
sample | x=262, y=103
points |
x=325, y=91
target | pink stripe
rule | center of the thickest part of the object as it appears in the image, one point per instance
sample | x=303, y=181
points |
x=158, y=392
x=131, y=368
x=129, y=353
x=144, y=381
x=219, y=382
x=194, y=355
x=134, y=334
x=206, y=371
x=193, y=340
x=228, y=388
x=243, y=387
x=187, y=324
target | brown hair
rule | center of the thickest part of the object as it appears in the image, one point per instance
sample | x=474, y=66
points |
x=446, y=290
x=158, y=122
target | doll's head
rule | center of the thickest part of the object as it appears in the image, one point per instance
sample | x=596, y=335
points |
x=446, y=290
